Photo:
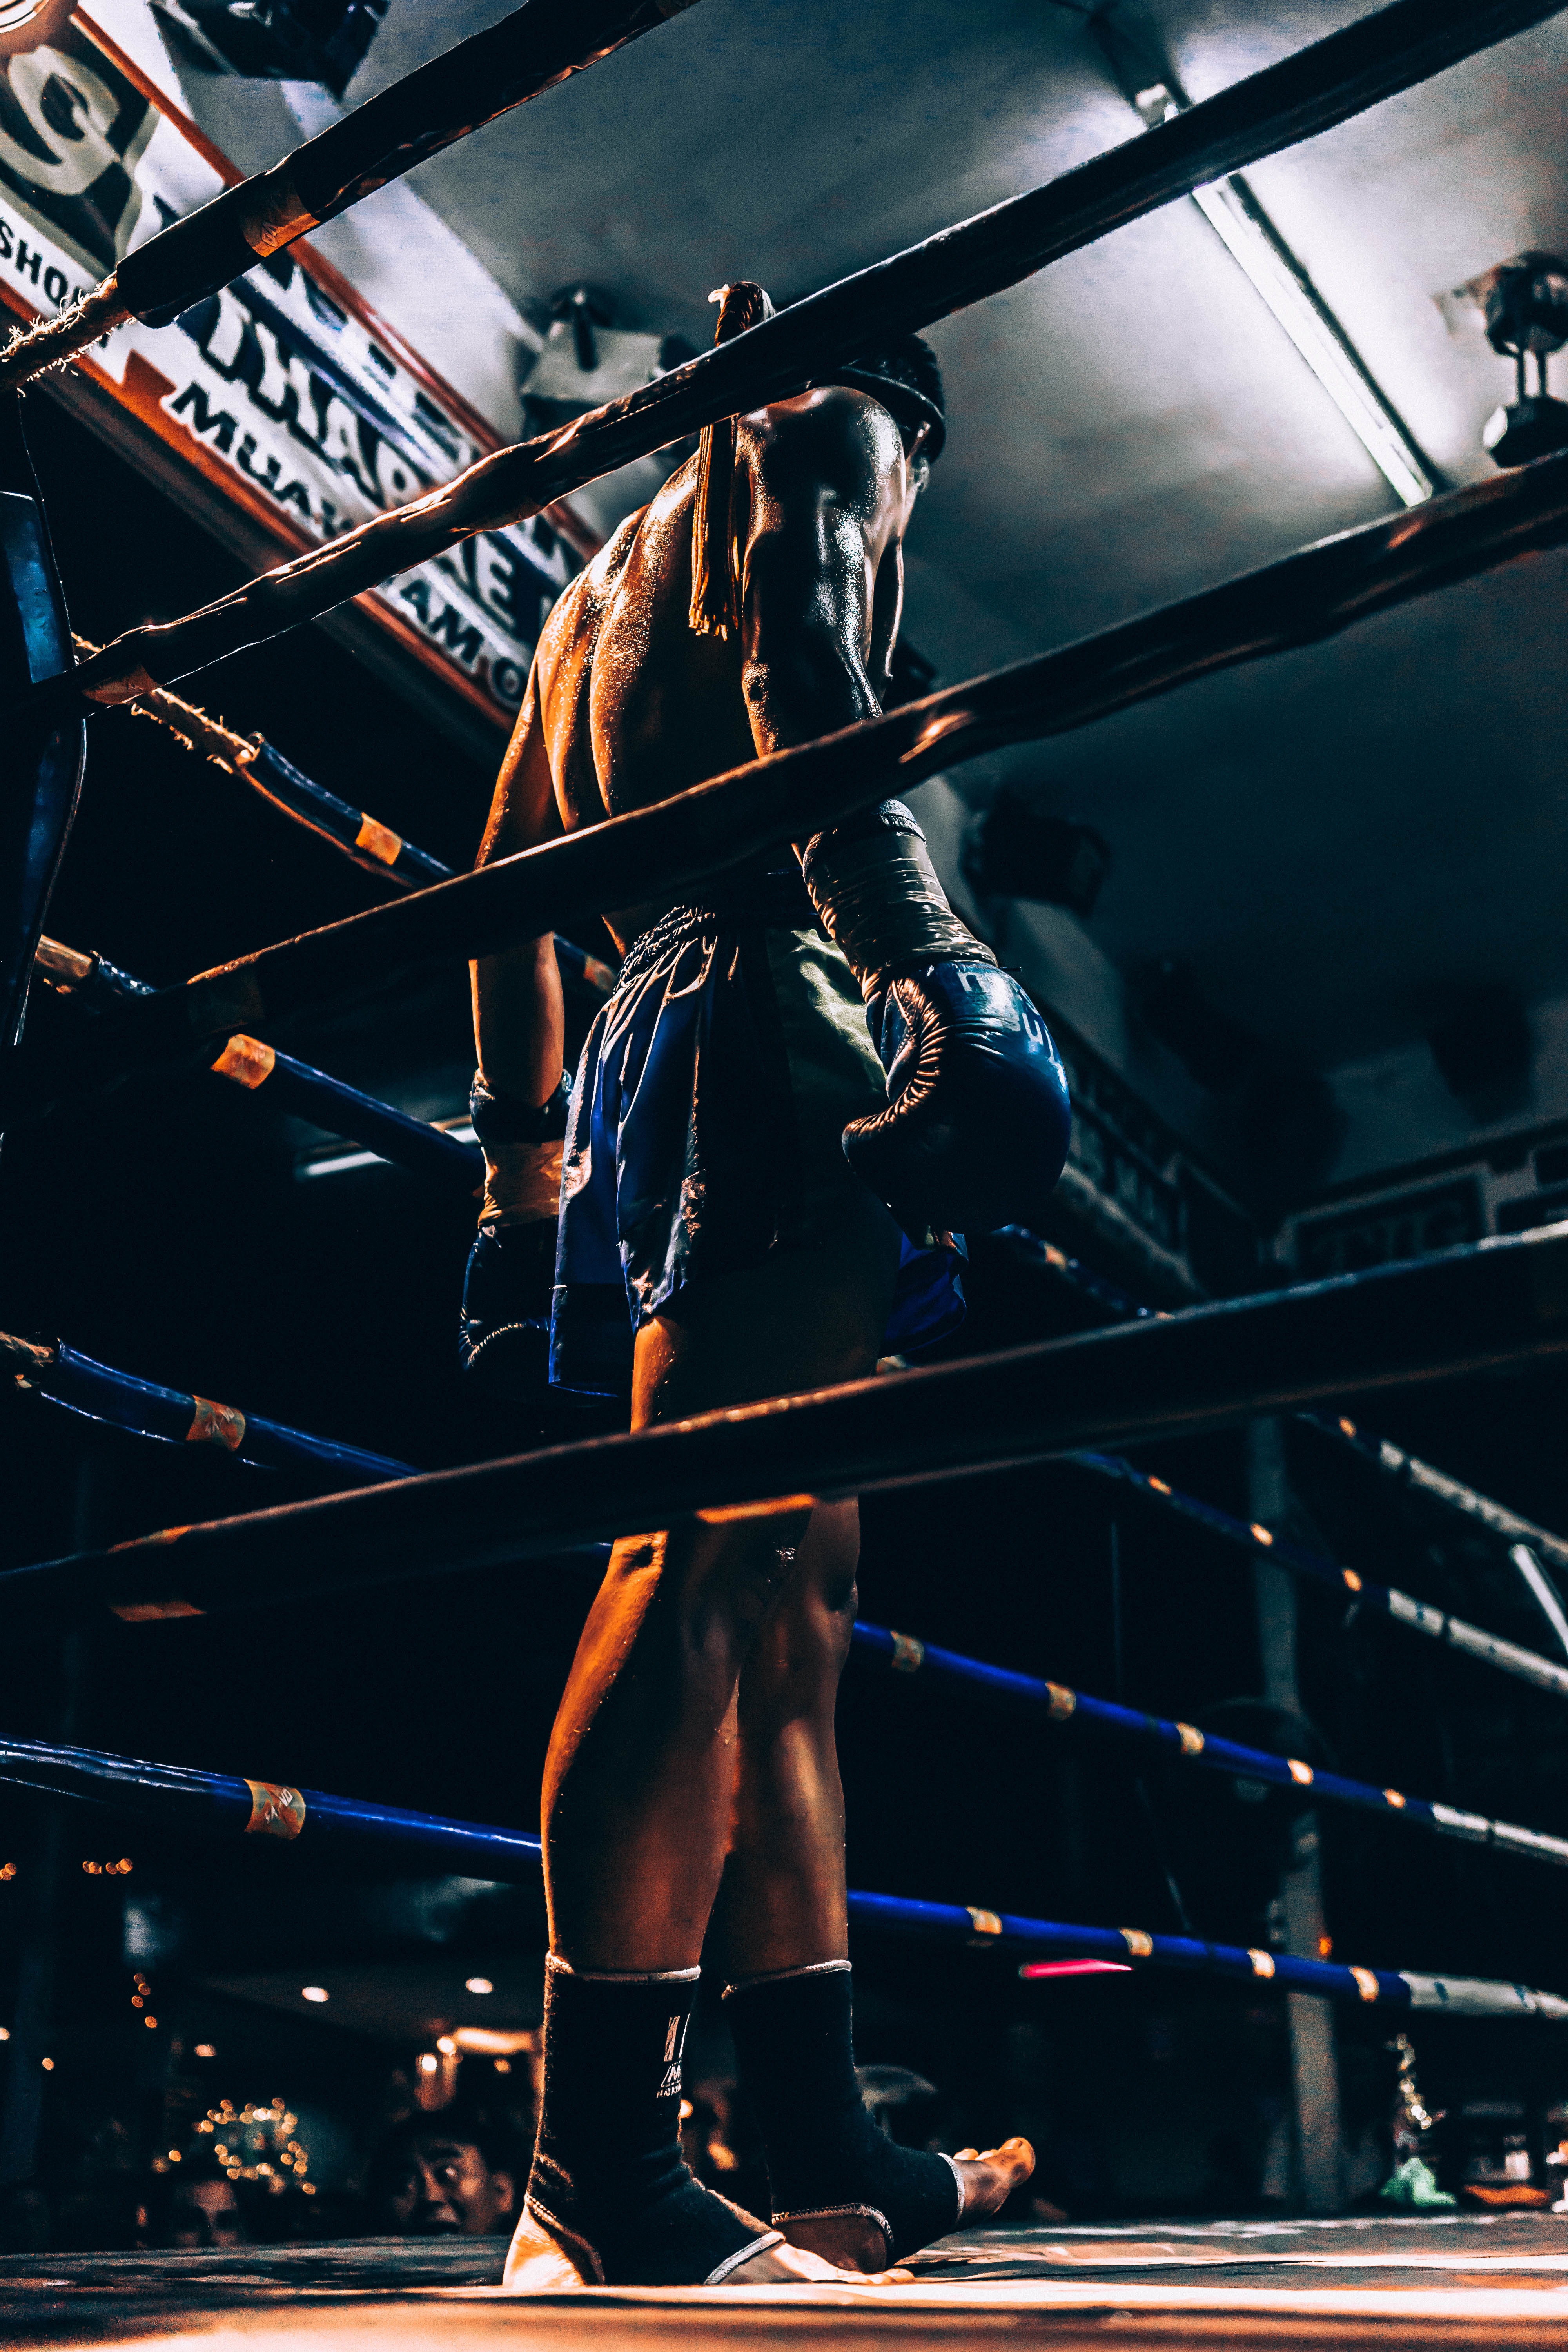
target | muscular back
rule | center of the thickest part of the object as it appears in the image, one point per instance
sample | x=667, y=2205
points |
x=627, y=704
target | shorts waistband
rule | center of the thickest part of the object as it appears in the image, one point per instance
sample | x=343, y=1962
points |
x=781, y=904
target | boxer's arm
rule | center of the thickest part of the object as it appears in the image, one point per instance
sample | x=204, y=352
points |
x=519, y=1016
x=827, y=492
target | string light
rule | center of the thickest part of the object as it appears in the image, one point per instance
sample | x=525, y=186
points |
x=4, y=2033
x=314, y=1992
x=7, y=1870
x=478, y=1984
x=48, y=2065
x=205, y=2050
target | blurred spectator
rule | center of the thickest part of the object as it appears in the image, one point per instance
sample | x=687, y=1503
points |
x=196, y=2207
x=442, y=2176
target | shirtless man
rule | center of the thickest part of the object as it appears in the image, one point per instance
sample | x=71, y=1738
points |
x=706, y=1188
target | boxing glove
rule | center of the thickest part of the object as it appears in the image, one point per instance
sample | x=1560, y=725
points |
x=977, y=1122
x=503, y=1331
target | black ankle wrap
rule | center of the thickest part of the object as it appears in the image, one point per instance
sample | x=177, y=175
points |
x=795, y=2057
x=608, y=2169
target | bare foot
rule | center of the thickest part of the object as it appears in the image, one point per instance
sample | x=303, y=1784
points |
x=788, y=2266
x=853, y=2237
x=988, y=2178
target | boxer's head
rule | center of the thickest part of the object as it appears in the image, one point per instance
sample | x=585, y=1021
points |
x=904, y=374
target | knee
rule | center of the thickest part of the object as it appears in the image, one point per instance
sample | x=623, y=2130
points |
x=794, y=1670
x=726, y=1599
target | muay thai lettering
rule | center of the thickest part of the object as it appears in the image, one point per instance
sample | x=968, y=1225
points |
x=72, y=131
x=275, y=385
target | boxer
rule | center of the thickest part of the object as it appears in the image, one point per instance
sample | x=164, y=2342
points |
x=689, y=1219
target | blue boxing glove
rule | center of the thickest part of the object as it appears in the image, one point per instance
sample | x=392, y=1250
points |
x=503, y=1332
x=977, y=1122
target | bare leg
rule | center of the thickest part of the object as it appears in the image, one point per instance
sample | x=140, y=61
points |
x=639, y=1783
x=783, y=1889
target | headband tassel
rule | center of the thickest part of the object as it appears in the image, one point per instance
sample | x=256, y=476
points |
x=715, y=609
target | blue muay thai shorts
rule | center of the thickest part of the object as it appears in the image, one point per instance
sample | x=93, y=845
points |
x=705, y=1132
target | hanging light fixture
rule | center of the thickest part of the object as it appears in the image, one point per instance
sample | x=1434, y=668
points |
x=1525, y=302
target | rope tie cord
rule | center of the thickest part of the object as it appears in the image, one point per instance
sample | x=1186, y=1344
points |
x=1320, y=87
x=204, y=1802
x=1482, y=1306
x=469, y=85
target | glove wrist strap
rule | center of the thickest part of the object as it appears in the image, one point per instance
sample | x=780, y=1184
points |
x=877, y=895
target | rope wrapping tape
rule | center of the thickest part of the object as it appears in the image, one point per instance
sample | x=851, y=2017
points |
x=1391, y=50
x=1525, y=1666
x=174, y=1795
x=362, y=837
x=904, y=1654
x=176, y=1417
x=1480, y=1306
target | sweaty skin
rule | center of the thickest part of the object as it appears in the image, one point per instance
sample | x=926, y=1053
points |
x=695, y=1730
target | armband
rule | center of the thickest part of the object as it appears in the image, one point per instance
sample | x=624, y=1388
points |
x=501, y=1118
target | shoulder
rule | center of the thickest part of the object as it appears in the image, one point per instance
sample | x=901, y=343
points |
x=835, y=436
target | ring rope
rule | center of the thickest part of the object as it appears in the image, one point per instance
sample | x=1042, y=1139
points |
x=676, y=842
x=1456, y=1633
x=177, y=1416
x=181, y=1797
x=1480, y=1306
x=1413, y=1475
x=1309, y=92
x=904, y=1654
x=1387, y=1600
x=530, y=51
x=414, y=1144
x=372, y=846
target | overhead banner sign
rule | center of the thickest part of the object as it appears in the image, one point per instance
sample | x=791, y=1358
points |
x=285, y=392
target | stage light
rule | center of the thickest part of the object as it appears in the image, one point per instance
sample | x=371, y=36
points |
x=478, y=1984
x=314, y=1992
x=1255, y=246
